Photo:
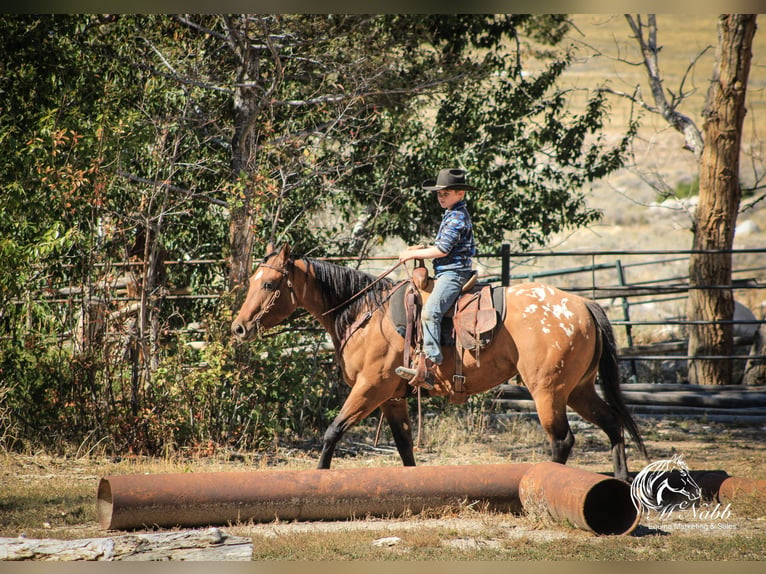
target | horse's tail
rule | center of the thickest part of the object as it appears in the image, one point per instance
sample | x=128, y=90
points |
x=609, y=374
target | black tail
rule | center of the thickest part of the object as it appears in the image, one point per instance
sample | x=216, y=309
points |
x=609, y=374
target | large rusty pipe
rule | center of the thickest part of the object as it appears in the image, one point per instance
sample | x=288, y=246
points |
x=591, y=501
x=748, y=489
x=194, y=499
x=718, y=485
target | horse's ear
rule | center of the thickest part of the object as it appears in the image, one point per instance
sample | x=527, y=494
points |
x=285, y=252
x=270, y=248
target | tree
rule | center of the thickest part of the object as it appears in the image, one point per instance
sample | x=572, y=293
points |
x=339, y=119
x=719, y=200
x=90, y=136
x=717, y=148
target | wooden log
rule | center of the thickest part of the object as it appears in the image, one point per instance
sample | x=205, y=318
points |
x=709, y=416
x=729, y=399
x=691, y=395
x=211, y=544
x=665, y=387
x=515, y=404
x=521, y=390
x=699, y=411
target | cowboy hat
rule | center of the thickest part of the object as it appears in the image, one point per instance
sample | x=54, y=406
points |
x=448, y=179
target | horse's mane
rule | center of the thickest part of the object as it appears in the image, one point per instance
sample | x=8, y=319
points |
x=338, y=284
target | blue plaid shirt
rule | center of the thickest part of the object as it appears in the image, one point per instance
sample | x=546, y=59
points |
x=455, y=238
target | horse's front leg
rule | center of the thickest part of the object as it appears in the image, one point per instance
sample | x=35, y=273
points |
x=332, y=435
x=363, y=399
x=397, y=414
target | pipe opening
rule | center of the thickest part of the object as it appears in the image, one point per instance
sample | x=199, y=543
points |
x=104, y=503
x=608, y=508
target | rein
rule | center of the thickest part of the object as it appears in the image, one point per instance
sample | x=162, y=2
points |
x=362, y=291
x=362, y=319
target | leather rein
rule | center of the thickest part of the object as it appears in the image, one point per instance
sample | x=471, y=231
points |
x=357, y=324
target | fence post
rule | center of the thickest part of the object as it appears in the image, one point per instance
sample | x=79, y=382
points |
x=626, y=314
x=505, y=261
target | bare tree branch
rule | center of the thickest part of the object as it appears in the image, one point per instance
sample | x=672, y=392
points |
x=646, y=36
x=171, y=187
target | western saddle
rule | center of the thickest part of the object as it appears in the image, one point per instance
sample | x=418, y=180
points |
x=470, y=326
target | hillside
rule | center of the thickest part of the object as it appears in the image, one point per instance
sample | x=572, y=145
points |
x=659, y=158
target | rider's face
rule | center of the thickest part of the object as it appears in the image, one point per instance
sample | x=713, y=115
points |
x=449, y=197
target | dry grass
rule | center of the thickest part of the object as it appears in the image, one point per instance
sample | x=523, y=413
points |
x=660, y=160
x=53, y=497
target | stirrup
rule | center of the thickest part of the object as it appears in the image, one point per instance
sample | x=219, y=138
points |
x=421, y=376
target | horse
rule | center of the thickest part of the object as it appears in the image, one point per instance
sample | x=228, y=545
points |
x=556, y=342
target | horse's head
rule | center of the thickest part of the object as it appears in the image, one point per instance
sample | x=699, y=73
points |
x=270, y=297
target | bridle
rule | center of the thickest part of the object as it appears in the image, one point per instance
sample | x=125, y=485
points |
x=285, y=275
x=274, y=289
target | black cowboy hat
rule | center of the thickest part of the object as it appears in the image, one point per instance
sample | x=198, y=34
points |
x=448, y=179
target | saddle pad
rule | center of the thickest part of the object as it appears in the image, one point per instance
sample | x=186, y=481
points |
x=398, y=316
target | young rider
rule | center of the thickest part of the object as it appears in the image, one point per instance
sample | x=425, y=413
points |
x=452, y=254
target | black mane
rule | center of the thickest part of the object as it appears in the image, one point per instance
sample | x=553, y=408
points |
x=339, y=284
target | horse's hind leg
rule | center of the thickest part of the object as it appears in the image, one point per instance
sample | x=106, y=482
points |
x=586, y=402
x=397, y=414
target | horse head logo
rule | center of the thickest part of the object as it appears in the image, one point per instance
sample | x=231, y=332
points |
x=665, y=486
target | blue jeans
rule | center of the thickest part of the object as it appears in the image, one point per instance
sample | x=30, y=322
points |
x=446, y=290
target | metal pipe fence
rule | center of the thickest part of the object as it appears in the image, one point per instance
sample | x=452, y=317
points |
x=599, y=279
x=633, y=294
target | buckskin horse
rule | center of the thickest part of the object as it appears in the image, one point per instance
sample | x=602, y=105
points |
x=556, y=342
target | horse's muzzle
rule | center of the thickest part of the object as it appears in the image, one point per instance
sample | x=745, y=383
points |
x=241, y=332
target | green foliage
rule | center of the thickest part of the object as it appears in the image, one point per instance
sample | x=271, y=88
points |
x=130, y=140
x=243, y=398
x=684, y=189
x=530, y=157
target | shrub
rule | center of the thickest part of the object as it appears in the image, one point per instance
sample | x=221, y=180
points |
x=222, y=396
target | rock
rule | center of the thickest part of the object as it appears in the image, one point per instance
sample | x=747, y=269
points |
x=748, y=227
x=387, y=542
x=742, y=313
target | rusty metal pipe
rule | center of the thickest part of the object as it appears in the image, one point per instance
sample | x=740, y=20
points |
x=718, y=485
x=749, y=489
x=591, y=501
x=194, y=499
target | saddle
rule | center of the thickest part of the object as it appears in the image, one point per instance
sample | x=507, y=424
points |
x=470, y=325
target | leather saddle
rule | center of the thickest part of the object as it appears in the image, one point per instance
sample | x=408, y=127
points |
x=470, y=325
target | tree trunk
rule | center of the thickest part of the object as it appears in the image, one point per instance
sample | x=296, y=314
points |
x=243, y=145
x=241, y=221
x=719, y=198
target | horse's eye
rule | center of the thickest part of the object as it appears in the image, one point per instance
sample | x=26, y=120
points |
x=269, y=285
